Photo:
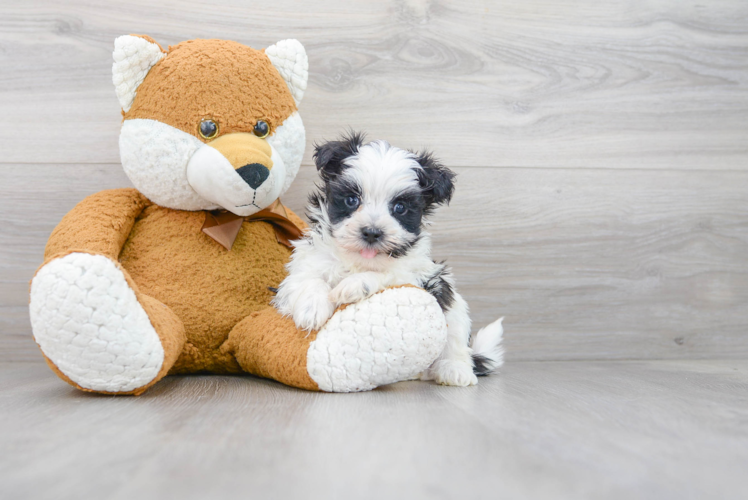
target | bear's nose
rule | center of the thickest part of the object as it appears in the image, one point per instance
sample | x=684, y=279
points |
x=253, y=174
x=371, y=234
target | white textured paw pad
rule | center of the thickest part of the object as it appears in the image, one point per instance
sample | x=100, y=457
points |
x=391, y=336
x=88, y=322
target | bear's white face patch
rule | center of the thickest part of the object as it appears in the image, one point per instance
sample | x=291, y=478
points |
x=289, y=141
x=176, y=170
x=155, y=157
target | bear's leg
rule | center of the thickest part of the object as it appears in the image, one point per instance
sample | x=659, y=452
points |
x=393, y=335
x=268, y=345
x=97, y=331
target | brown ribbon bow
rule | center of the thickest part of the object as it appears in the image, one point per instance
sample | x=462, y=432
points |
x=224, y=226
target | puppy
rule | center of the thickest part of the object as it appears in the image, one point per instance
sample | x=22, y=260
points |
x=367, y=233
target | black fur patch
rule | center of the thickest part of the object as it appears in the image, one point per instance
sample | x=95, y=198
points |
x=336, y=191
x=316, y=200
x=330, y=156
x=481, y=365
x=437, y=286
x=412, y=219
x=402, y=250
x=436, y=181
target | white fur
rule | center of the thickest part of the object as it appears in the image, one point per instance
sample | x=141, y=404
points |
x=327, y=268
x=155, y=156
x=289, y=141
x=88, y=322
x=488, y=343
x=133, y=58
x=290, y=59
x=455, y=364
x=176, y=170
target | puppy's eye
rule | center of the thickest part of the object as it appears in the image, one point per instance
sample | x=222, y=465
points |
x=352, y=201
x=208, y=129
x=399, y=208
x=262, y=129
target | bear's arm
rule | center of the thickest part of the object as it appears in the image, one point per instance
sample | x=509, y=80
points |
x=99, y=224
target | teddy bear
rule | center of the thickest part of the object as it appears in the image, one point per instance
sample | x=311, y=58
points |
x=176, y=275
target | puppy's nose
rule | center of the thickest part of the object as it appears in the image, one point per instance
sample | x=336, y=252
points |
x=253, y=174
x=371, y=234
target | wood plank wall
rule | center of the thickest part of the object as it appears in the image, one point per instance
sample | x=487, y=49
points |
x=601, y=147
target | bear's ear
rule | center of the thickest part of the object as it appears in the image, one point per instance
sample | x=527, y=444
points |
x=436, y=180
x=330, y=157
x=134, y=56
x=289, y=58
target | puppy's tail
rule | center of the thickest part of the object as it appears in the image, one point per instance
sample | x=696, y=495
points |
x=488, y=353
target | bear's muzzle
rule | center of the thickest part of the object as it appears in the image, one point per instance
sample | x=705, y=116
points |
x=243, y=149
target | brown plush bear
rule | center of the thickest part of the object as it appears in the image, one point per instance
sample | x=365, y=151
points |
x=177, y=275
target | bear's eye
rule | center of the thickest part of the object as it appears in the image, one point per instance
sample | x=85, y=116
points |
x=351, y=201
x=262, y=129
x=208, y=129
x=399, y=208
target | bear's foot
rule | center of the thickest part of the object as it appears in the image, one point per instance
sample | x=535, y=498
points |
x=392, y=336
x=94, y=331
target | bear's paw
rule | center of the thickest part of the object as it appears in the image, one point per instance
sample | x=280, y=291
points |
x=89, y=323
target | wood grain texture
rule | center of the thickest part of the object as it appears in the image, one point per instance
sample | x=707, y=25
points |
x=614, y=430
x=540, y=83
x=602, y=207
x=584, y=264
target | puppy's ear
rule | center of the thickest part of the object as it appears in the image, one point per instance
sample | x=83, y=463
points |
x=329, y=157
x=436, y=180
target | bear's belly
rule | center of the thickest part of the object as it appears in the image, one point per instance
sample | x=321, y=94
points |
x=210, y=288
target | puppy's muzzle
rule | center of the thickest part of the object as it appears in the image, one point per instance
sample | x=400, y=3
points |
x=248, y=154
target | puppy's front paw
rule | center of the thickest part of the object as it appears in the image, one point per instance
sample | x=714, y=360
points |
x=448, y=372
x=311, y=312
x=352, y=289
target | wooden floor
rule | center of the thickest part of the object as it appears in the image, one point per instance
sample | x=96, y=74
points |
x=613, y=429
x=601, y=206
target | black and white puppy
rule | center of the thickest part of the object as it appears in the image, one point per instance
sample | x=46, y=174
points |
x=367, y=233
